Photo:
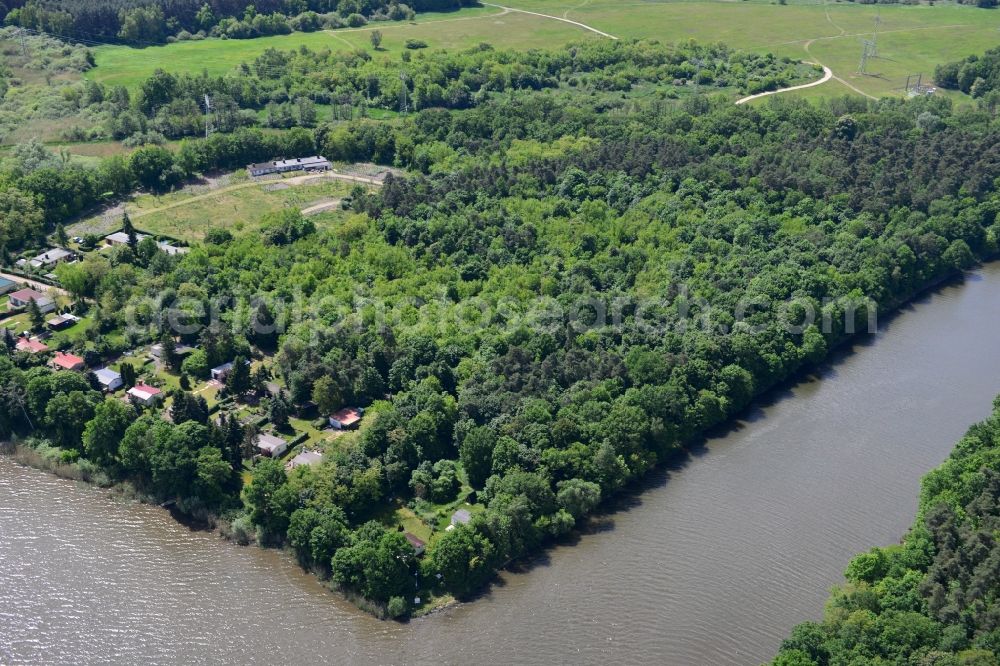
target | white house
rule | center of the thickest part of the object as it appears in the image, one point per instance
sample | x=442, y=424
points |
x=271, y=446
x=108, y=379
x=219, y=373
x=144, y=395
x=51, y=258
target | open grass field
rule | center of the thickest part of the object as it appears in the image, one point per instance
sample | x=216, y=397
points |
x=240, y=207
x=912, y=39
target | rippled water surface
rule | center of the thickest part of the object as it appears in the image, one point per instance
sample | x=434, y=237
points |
x=711, y=564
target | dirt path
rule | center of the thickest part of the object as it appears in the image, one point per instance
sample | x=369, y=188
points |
x=827, y=75
x=321, y=207
x=554, y=18
x=34, y=284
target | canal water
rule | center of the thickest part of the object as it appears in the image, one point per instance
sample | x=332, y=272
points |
x=712, y=562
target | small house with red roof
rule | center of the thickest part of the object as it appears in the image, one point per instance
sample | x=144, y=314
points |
x=347, y=418
x=31, y=346
x=63, y=361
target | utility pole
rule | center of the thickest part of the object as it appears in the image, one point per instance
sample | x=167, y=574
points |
x=404, y=105
x=208, y=115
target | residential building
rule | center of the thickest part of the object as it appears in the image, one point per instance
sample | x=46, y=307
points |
x=270, y=446
x=220, y=373
x=347, y=418
x=461, y=517
x=62, y=321
x=171, y=249
x=31, y=345
x=418, y=545
x=7, y=286
x=121, y=238
x=51, y=257
x=156, y=351
x=108, y=379
x=21, y=298
x=304, y=458
x=147, y=396
x=63, y=361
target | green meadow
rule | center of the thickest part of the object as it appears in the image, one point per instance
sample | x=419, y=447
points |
x=911, y=40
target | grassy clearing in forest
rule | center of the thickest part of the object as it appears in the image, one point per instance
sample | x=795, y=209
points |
x=239, y=207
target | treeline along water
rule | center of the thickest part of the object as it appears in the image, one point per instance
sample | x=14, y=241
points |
x=712, y=563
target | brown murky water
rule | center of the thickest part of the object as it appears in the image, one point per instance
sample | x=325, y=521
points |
x=711, y=564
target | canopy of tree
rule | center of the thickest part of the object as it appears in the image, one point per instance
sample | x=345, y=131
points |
x=978, y=76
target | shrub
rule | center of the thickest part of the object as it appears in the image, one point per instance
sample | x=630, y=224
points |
x=416, y=44
x=397, y=607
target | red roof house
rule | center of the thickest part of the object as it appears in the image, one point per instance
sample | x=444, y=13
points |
x=67, y=362
x=31, y=346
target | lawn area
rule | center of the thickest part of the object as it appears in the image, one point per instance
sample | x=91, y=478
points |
x=188, y=214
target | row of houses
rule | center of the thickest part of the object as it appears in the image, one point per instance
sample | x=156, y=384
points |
x=110, y=380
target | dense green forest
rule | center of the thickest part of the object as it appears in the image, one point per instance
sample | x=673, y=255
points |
x=933, y=598
x=978, y=76
x=144, y=22
x=553, y=302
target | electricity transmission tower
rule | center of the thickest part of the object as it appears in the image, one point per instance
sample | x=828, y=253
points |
x=24, y=45
x=869, y=48
x=867, y=51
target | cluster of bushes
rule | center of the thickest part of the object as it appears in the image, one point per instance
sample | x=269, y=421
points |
x=141, y=22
